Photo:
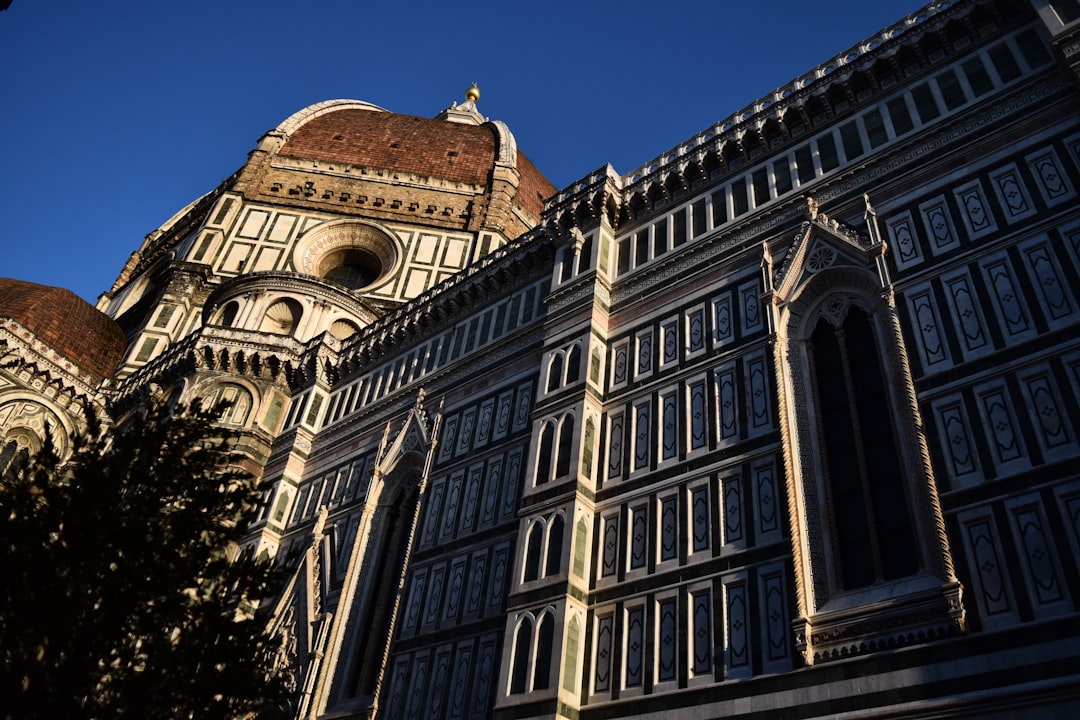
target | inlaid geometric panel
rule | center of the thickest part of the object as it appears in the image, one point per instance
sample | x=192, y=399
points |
x=669, y=436
x=957, y=443
x=1011, y=193
x=750, y=306
x=731, y=511
x=766, y=502
x=965, y=308
x=642, y=432
x=1055, y=296
x=1038, y=554
x=991, y=589
x=456, y=705
x=511, y=483
x=609, y=550
x=486, y=670
x=737, y=626
x=439, y=676
x=615, y=445
x=667, y=640
x=634, y=663
x=975, y=210
x=723, y=322
x=904, y=240
x=727, y=404
x=1007, y=297
x=701, y=632
x=1052, y=181
x=698, y=419
x=1048, y=418
x=605, y=629
x=758, y=405
x=937, y=219
x=926, y=322
x=775, y=625
x=1000, y=426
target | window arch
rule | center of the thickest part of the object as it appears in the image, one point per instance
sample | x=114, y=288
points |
x=544, y=452
x=343, y=329
x=545, y=638
x=555, y=371
x=864, y=488
x=573, y=363
x=282, y=317
x=534, y=541
x=229, y=313
x=237, y=400
x=16, y=449
x=566, y=446
x=553, y=562
x=519, y=674
x=859, y=469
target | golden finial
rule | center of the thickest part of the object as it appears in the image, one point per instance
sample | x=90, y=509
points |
x=473, y=93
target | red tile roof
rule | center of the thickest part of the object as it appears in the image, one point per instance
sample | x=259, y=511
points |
x=422, y=146
x=67, y=323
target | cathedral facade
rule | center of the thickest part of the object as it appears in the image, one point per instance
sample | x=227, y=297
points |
x=782, y=424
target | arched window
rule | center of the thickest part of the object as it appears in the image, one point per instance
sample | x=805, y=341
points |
x=566, y=446
x=865, y=489
x=15, y=452
x=283, y=317
x=342, y=329
x=544, y=639
x=543, y=455
x=533, y=545
x=228, y=314
x=573, y=364
x=519, y=677
x=555, y=370
x=235, y=403
x=554, y=548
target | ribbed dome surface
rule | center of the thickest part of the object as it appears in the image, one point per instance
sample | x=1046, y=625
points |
x=69, y=324
x=405, y=143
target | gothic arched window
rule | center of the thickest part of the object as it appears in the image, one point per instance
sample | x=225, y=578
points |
x=865, y=488
x=544, y=452
x=573, y=364
x=533, y=547
x=555, y=370
x=544, y=639
x=519, y=677
x=554, y=547
x=566, y=446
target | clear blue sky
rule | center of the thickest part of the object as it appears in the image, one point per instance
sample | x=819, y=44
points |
x=116, y=114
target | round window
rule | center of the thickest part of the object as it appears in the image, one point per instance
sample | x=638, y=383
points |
x=354, y=268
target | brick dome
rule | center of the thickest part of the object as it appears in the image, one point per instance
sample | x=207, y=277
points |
x=353, y=133
x=67, y=323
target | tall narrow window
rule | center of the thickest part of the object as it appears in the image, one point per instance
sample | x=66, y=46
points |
x=522, y=640
x=573, y=364
x=543, y=454
x=874, y=535
x=533, y=544
x=566, y=446
x=554, y=550
x=555, y=372
x=544, y=638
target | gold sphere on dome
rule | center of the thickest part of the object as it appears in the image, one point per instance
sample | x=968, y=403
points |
x=473, y=93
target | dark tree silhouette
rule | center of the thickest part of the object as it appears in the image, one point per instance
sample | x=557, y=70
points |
x=118, y=595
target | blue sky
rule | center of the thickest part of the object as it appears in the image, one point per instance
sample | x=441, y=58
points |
x=116, y=114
